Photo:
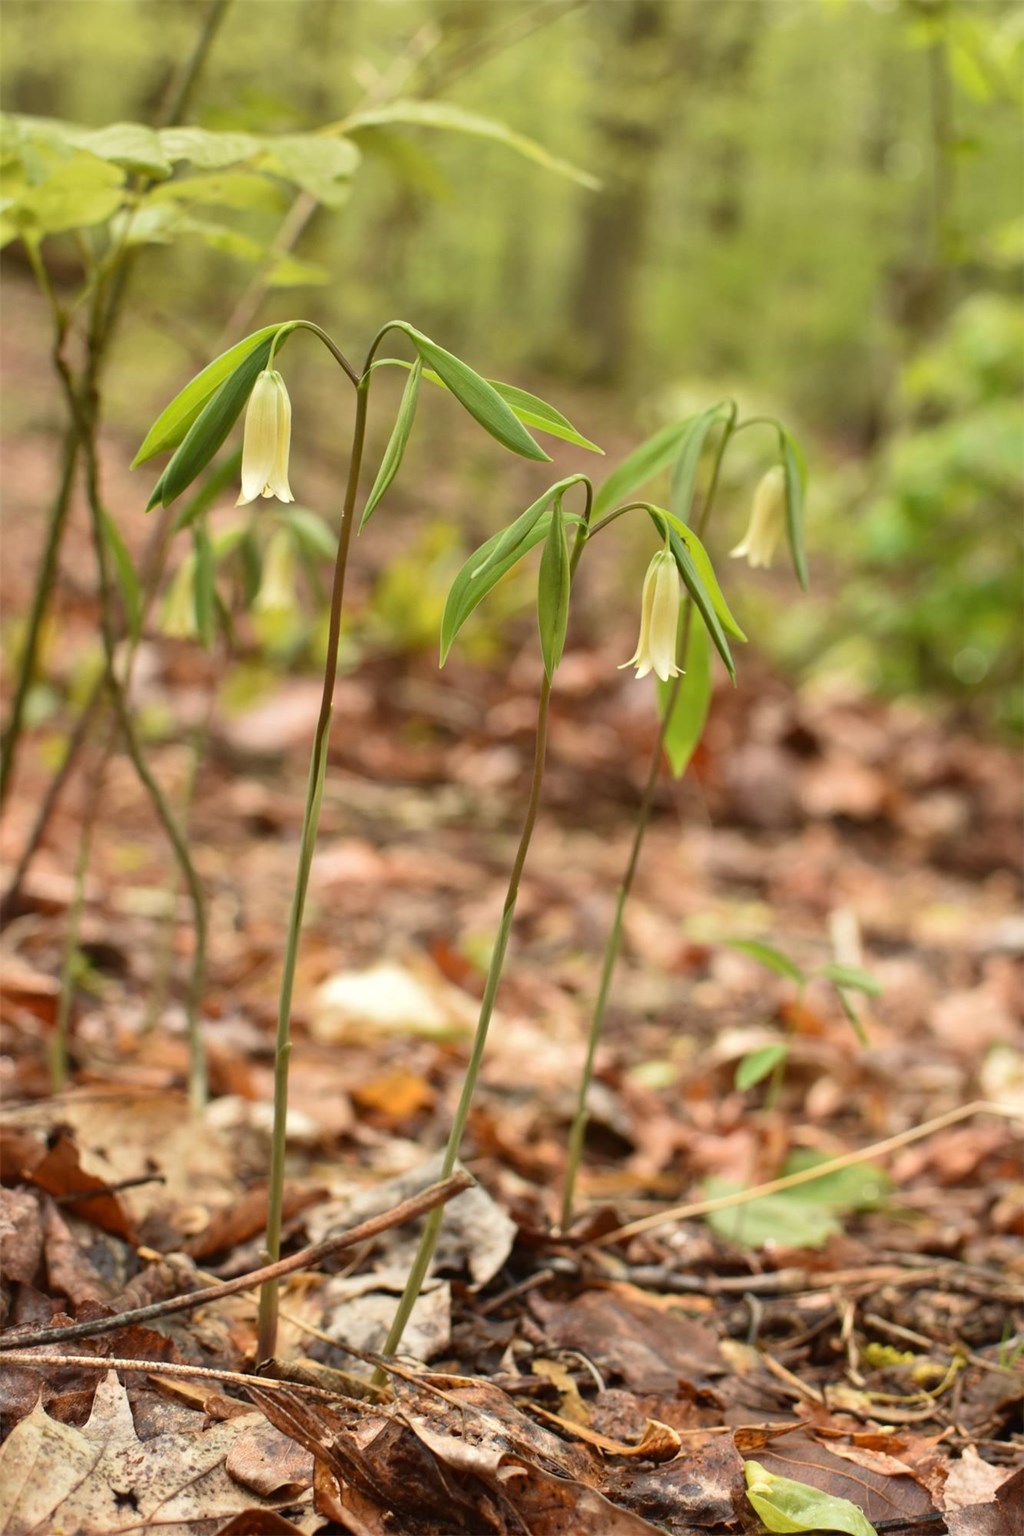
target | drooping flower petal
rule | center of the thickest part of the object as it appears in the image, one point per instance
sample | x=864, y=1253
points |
x=767, y=521
x=266, y=440
x=659, y=620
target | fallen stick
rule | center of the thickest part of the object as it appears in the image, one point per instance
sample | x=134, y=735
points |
x=190, y=1372
x=307, y=1258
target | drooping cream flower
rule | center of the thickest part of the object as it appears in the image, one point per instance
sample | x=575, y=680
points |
x=277, y=588
x=266, y=440
x=659, y=620
x=767, y=521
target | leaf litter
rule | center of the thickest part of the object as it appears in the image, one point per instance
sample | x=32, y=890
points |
x=557, y=1384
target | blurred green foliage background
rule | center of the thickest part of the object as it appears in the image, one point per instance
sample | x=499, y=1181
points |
x=814, y=205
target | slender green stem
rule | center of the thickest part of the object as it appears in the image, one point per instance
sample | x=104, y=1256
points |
x=83, y=408
x=101, y=328
x=328, y=341
x=611, y=517
x=755, y=421
x=164, y=963
x=267, y=1341
x=40, y=602
x=432, y=1227
x=151, y=569
x=179, y=96
x=578, y=1129
x=69, y=966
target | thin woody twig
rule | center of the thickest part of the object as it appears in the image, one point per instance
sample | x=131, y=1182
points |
x=407, y=1210
x=171, y=1368
x=805, y=1175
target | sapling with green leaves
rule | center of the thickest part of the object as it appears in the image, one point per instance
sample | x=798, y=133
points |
x=114, y=192
x=196, y=424
x=675, y=642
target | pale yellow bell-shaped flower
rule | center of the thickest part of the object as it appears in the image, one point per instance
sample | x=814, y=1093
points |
x=767, y=521
x=659, y=620
x=277, y=587
x=266, y=440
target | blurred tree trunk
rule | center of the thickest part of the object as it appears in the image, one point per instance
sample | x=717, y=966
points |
x=628, y=128
x=729, y=71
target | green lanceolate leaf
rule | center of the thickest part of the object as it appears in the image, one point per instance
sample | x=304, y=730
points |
x=796, y=481
x=250, y=560
x=216, y=482
x=553, y=591
x=509, y=539
x=852, y=976
x=692, y=701
x=537, y=413
x=210, y=428
x=853, y=1017
x=440, y=114
x=702, y=602
x=127, y=580
x=488, y=564
x=175, y=419
x=640, y=466
x=753, y=1069
x=395, y=449
x=531, y=410
x=694, y=582
x=479, y=398
x=312, y=534
x=786, y=1506
x=772, y=959
x=691, y=446
x=702, y=560
x=204, y=585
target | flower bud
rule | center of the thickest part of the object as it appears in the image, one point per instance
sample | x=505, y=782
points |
x=659, y=620
x=266, y=440
x=767, y=520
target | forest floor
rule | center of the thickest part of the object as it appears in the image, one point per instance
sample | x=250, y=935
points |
x=861, y=1334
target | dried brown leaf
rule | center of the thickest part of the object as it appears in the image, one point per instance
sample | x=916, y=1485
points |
x=650, y=1349
x=102, y=1479
x=21, y=1235
x=61, y=1173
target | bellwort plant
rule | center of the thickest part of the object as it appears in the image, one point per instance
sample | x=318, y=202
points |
x=684, y=692
x=195, y=425
x=683, y=562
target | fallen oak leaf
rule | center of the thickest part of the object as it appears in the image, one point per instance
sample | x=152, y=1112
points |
x=101, y=1479
x=60, y=1173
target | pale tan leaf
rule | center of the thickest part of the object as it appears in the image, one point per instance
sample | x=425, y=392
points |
x=101, y=1479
